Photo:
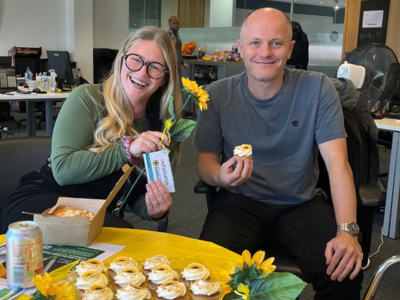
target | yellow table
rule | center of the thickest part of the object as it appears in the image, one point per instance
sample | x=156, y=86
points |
x=142, y=244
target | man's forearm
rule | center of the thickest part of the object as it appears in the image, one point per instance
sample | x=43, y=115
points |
x=343, y=192
x=207, y=169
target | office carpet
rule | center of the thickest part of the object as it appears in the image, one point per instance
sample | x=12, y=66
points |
x=189, y=211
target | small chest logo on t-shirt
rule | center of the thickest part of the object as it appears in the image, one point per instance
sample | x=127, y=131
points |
x=295, y=123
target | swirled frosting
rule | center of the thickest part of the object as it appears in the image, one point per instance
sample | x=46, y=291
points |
x=90, y=265
x=243, y=150
x=155, y=261
x=195, y=272
x=128, y=277
x=171, y=290
x=162, y=274
x=201, y=287
x=121, y=263
x=84, y=283
x=100, y=294
x=130, y=292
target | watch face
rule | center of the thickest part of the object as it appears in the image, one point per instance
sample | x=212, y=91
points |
x=353, y=228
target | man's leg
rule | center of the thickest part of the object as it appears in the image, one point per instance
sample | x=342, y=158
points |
x=234, y=222
x=304, y=232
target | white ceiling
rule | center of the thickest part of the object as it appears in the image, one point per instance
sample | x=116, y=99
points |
x=329, y=3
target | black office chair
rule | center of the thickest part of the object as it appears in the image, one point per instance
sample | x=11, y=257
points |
x=368, y=197
x=18, y=157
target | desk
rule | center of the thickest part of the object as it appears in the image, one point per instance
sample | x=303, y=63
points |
x=30, y=100
x=391, y=220
x=142, y=244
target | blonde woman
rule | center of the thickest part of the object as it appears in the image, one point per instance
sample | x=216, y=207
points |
x=102, y=127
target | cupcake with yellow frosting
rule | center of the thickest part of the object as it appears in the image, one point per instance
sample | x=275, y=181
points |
x=194, y=272
x=129, y=276
x=98, y=292
x=160, y=275
x=171, y=290
x=204, y=290
x=131, y=292
x=89, y=265
x=154, y=262
x=243, y=152
x=89, y=279
x=119, y=264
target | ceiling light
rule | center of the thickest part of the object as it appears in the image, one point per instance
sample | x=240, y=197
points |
x=336, y=8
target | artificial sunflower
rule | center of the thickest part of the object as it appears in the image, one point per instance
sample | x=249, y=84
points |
x=196, y=92
x=258, y=258
x=47, y=288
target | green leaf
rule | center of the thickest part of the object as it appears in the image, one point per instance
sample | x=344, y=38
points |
x=52, y=297
x=181, y=129
x=171, y=108
x=282, y=286
x=231, y=296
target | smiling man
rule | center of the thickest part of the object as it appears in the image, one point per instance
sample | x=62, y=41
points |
x=287, y=116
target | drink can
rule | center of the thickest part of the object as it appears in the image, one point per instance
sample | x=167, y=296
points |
x=24, y=253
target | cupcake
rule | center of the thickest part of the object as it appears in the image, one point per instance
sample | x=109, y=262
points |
x=171, y=290
x=204, y=290
x=154, y=262
x=98, y=292
x=129, y=276
x=194, y=272
x=243, y=152
x=131, y=292
x=119, y=264
x=89, y=265
x=160, y=275
x=89, y=279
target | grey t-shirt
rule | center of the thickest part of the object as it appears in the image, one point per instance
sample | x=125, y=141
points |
x=283, y=131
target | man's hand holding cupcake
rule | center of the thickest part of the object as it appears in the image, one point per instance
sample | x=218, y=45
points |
x=229, y=177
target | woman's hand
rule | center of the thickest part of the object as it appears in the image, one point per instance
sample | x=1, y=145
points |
x=158, y=200
x=148, y=141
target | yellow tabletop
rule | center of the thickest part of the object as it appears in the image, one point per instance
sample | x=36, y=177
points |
x=142, y=244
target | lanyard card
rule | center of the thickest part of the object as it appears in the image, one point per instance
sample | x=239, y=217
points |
x=158, y=167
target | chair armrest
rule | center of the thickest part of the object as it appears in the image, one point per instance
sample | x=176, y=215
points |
x=203, y=188
x=371, y=194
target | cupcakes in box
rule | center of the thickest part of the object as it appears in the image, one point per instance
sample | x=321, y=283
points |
x=154, y=262
x=204, y=290
x=129, y=276
x=131, y=292
x=160, y=275
x=89, y=279
x=98, y=292
x=90, y=265
x=194, y=272
x=119, y=264
x=171, y=290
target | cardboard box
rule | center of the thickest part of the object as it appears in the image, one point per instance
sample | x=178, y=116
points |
x=77, y=231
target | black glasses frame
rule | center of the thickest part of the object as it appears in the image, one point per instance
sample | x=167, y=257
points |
x=147, y=65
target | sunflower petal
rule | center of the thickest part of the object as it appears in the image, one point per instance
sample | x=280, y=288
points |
x=246, y=256
x=258, y=257
x=267, y=262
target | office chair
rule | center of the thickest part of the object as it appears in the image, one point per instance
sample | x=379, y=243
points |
x=18, y=157
x=368, y=197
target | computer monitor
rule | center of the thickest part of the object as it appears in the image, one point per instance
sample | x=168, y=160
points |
x=59, y=61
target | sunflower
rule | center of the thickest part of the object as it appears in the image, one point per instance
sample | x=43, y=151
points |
x=258, y=257
x=46, y=286
x=196, y=92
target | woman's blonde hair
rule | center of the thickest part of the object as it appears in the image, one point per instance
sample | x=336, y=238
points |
x=118, y=120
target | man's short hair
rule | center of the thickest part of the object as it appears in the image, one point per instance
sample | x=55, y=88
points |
x=288, y=22
x=173, y=17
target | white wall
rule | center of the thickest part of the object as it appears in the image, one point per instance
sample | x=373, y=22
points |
x=110, y=23
x=222, y=13
x=76, y=26
x=168, y=8
x=25, y=23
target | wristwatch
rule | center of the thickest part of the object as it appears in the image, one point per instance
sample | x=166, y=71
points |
x=351, y=227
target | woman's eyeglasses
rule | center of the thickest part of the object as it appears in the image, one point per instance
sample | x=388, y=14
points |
x=134, y=63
